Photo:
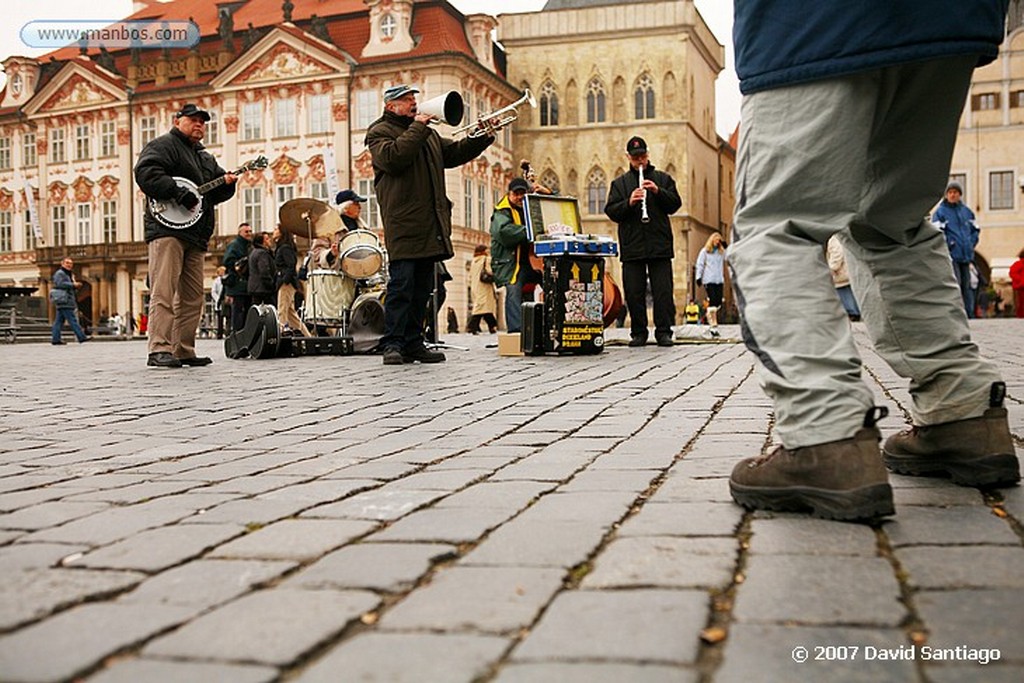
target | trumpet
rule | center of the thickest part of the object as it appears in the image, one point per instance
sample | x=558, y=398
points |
x=488, y=124
x=644, y=217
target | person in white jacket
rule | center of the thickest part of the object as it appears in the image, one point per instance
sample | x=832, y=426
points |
x=710, y=273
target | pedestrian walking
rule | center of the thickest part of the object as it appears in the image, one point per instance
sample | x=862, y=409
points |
x=64, y=296
x=481, y=284
x=956, y=220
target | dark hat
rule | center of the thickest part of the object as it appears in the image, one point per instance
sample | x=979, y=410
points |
x=635, y=146
x=518, y=184
x=954, y=185
x=396, y=91
x=192, y=110
x=348, y=196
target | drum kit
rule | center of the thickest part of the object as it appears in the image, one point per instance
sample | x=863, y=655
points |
x=344, y=304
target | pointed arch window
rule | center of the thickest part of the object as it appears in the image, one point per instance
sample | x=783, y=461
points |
x=595, y=102
x=643, y=98
x=548, y=105
x=597, y=191
x=549, y=179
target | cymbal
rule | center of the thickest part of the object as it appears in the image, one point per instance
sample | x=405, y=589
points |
x=293, y=215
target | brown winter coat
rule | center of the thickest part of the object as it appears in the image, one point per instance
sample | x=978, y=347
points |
x=409, y=159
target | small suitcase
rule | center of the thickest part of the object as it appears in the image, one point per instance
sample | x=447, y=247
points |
x=531, y=341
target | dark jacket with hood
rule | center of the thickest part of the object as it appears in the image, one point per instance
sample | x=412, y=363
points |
x=174, y=154
x=639, y=241
x=409, y=159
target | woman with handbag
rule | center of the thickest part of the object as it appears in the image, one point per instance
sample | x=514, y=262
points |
x=286, y=257
x=485, y=304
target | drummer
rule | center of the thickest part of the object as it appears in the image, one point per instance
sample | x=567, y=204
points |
x=350, y=205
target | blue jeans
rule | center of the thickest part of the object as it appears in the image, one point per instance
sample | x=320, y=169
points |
x=963, y=279
x=410, y=284
x=514, y=307
x=849, y=300
x=71, y=315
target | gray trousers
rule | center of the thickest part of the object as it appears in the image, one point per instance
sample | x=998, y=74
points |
x=864, y=157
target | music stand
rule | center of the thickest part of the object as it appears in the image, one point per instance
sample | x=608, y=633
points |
x=436, y=343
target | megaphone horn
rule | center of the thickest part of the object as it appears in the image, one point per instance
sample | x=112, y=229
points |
x=445, y=108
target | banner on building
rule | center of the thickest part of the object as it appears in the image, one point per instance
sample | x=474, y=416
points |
x=331, y=169
x=33, y=215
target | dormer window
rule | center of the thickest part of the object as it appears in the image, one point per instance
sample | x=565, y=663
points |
x=388, y=26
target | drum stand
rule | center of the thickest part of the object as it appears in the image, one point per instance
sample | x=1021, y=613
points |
x=436, y=343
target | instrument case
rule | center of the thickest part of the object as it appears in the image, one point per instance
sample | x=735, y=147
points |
x=576, y=245
x=573, y=304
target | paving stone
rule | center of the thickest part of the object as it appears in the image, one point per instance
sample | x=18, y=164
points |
x=425, y=658
x=205, y=583
x=19, y=556
x=665, y=562
x=157, y=549
x=249, y=512
x=991, y=673
x=992, y=618
x=594, y=479
x=162, y=671
x=49, y=514
x=679, y=487
x=939, y=496
x=252, y=486
x=502, y=495
x=558, y=672
x=932, y=526
x=537, y=543
x=444, y=480
x=962, y=566
x=389, y=567
x=605, y=506
x=275, y=626
x=819, y=590
x=802, y=535
x=30, y=594
x=488, y=599
x=765, y=653
x=635, y=625
x=380, y=504
x=319, y=491
x=295, y=539
x=136, y=493
x=78, y=639
x=453, y=525
x=683, y=519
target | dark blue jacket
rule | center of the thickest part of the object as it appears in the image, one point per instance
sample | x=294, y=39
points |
x=783, y=42
x=957, y=222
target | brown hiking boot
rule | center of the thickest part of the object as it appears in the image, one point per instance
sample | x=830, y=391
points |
x=843, y=480
x=974, y=452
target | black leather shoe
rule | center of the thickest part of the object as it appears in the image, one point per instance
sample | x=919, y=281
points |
x=82, y=341
x=638, y=341
x=665, y=341
x=59, y=343
x=163, y=360
x=393, y=357
x=196, y=361
x=423, y=355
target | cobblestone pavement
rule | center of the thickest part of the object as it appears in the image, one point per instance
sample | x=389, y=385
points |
x=488, y=519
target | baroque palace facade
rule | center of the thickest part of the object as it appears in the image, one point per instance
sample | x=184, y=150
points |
x=301, y=89
x=605, y=71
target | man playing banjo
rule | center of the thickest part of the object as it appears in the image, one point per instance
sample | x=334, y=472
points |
x=176, y=253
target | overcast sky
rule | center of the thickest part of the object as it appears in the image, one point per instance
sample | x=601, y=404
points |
x=717, y=13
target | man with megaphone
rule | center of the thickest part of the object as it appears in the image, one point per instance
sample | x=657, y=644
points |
x=409, y=159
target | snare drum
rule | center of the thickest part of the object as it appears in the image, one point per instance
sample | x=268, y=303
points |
x=361, y=255
x=328, y=295
x=366, y=325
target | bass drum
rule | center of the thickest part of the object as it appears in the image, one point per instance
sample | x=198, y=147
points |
x=328, y=295
x=366, y=322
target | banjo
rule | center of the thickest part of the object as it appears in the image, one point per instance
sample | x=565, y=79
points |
x=170, y=213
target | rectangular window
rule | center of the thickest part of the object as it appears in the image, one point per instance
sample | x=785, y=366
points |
x=5, y=153
x=284, y=118
x=252, y=207
x=1017, y=99
x=318, y=190
x=83, y=142
x=58, y=155
x=371, y=210
x=319, y=107
x=285, y=193
x=212, y=130
x=6, y=231
x=506, y=137
x=481, y=206
x=467, y=203
x=59, y=223
x=30, y=233
x=83, y=223
x=108, y=138
x=252, y=121
x=147, y=129
x=108, y=210
x=1000, y=190
x=367, y=108
x=467, y=104
x=28, y=150
x=986, y=101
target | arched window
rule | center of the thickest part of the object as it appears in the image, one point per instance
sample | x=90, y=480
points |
x=643, y=98
x=595, y=102
x=549, y=179
x=597, y=191
x=548, y=105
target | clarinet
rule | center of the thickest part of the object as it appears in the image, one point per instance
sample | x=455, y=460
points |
x=644, y=218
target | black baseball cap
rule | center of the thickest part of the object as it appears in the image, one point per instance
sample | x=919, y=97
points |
x=348, y=196
x=636, y=146
x=518, y=184
x=192, y=110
